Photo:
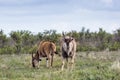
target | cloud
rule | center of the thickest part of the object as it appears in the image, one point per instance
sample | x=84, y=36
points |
x=59, y=14
x=107, y=1
x=17, y=3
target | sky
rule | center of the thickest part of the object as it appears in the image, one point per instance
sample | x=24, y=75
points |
x=60, y=15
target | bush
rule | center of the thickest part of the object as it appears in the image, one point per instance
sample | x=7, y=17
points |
x=86, y=48
x=58, y=48
x=115, y=46
x=32, y=49
x=7, y=50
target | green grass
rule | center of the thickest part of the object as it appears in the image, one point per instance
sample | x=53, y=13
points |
x=97, y=66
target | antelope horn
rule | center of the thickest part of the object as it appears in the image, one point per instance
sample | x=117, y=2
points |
x=71, y=34
x=63, y=34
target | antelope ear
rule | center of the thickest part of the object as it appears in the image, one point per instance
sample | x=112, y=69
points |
x=71, y=39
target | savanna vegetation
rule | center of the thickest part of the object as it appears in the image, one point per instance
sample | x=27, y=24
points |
x=97, y=56
x=20, y=42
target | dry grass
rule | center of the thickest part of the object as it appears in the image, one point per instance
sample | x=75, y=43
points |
x=88, y=66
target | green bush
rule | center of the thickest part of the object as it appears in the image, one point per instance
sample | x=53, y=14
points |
x=7, y=50
x=115, y=46
x=32, y=49
x=87, y=48
x=58, y=48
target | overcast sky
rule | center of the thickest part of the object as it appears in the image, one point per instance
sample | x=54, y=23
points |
x=60, y=15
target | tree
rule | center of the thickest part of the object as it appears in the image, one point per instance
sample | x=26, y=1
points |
x=87, y=35
x=116, y=40
x=50, y=35
x=27, y=38
x=40, y=36
x=3, y=39
x=17, y=37
x=117, y=35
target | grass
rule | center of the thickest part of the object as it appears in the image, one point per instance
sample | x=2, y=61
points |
x=88, y=66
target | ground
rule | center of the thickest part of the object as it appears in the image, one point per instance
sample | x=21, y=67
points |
x=88, y=66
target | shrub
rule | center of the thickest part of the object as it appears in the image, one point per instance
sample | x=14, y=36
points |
x=115, y=46
x=32, y=49
x=7, y=50
x=58, y=48
x=87, y=48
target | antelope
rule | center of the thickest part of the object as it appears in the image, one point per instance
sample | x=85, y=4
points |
x=68, y=48
x=45, y=49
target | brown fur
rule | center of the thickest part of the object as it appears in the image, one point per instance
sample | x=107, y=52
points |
x=45, y=49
